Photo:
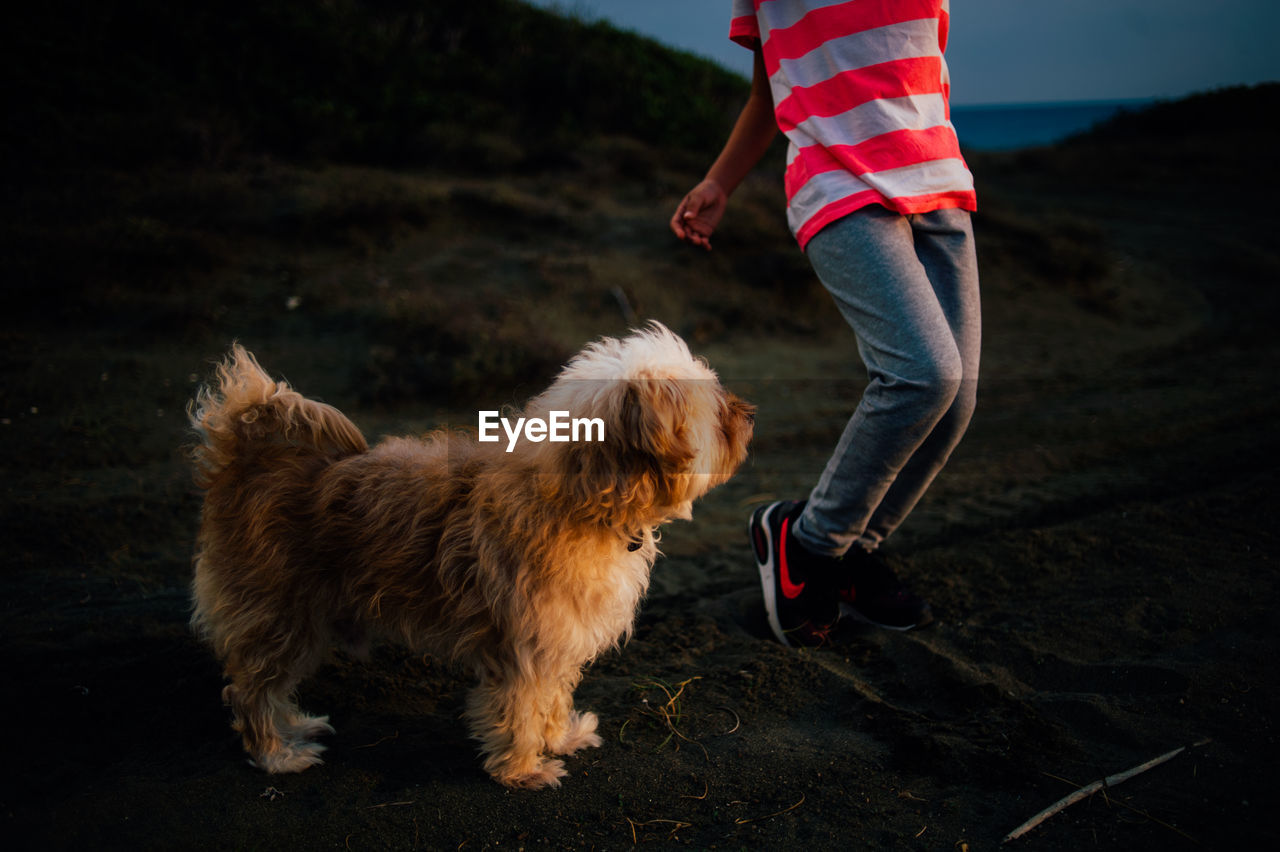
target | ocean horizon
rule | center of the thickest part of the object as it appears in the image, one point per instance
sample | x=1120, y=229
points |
x=1007, y=127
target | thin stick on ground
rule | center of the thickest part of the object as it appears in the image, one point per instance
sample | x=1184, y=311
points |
x=1139, y=811
x=678, y=825
x=706, y=788
x=745, y=820
x=381, y=741
x=1089, y=789
x=737, y=721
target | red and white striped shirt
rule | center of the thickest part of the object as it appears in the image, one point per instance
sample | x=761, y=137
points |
x=861, y=89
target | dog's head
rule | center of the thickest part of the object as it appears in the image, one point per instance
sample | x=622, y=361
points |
x=658, y=430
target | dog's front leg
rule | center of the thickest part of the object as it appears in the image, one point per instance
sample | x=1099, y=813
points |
x=511, y=712
x=568, y=730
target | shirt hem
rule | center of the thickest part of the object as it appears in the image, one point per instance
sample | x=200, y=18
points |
x=965, y=200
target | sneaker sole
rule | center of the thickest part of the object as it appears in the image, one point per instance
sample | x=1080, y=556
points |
x=768, y=575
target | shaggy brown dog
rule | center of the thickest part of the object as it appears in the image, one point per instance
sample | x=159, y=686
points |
x=521, y=558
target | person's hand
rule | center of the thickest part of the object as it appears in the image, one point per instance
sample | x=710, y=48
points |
x=699, y=213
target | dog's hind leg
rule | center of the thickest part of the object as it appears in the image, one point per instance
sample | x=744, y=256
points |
x=277, y=735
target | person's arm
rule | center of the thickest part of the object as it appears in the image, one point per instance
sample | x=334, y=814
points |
x=701, y=210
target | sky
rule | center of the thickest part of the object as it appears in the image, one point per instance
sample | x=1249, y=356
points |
x=1029, y=51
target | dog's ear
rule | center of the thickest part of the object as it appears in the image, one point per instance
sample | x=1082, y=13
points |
x=639, y=470
x=654, y=415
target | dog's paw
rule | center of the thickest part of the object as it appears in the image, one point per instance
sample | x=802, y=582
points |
x=289, y=757
x=547, y=773
x=302, y=728
x=580, y=734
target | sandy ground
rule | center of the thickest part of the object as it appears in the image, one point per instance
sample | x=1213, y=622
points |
x=1100, y=555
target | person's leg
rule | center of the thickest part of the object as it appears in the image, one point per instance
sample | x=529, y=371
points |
x=879, y=272
x=944, y=244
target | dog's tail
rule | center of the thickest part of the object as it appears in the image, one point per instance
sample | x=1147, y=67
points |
x=243, y=413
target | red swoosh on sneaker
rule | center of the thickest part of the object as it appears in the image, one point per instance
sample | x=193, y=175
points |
x=790, y=590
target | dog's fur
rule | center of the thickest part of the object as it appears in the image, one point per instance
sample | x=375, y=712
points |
x=521, y=566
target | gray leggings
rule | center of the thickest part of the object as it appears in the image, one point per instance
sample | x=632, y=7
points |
x=908, y=285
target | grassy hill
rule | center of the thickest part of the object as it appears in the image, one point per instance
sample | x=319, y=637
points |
x=451, y=194
x=481, y=85
x=179, y=170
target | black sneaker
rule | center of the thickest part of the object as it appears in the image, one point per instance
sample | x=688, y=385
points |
x=872, y=592
x=800, y=596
